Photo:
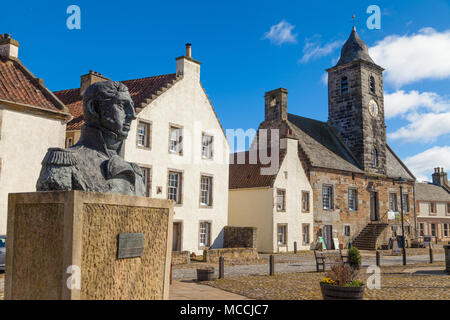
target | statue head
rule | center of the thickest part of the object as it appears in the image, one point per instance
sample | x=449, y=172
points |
x=107, y=105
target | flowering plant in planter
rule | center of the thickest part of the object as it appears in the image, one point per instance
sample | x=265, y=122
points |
x=341, y=283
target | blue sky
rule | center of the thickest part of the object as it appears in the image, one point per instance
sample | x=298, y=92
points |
x=133, y=39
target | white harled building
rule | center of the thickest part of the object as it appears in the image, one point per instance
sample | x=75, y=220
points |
x=32, y=120
x=179, y=142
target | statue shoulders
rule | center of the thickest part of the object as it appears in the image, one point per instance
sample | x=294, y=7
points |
x=137, y=169
x=61, y=157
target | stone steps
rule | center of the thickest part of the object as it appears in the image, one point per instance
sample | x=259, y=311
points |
x=367, y=238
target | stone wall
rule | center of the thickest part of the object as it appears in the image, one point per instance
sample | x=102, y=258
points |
x=239, y=237
x=58, y=237
x=181, y=257
x=230, y=255
x=341, y=215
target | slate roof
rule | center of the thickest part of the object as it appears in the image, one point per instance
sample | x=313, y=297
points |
x=249, y=175
x=141, y=90
x=322, y=146
x=19, y=85
x=324, y=149
x=354, y=49
x=431, y=192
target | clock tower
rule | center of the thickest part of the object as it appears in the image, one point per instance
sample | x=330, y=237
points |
x=356, y=105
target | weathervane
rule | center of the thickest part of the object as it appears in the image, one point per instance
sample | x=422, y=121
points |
x=353, y=17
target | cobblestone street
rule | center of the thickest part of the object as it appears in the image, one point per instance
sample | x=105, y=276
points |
x=292, y=263
x=397, y=283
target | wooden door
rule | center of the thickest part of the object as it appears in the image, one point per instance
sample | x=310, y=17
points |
x=374, y=211
x=176, y=240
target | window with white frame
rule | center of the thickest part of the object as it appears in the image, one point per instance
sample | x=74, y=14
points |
x=305, y=234
x=432, y=208
x=206, y=184
x=347, y=231
x=282, y=234
x=176, y=140
x=174, y=186
x=327, y=197
x=205, y=234
x=147, y=177
x=405, y=197
x=143, y=134
x=393, y=202
x=352, y=199
x=281, y=200
x=305, y=201
x=207, y=146
x=433, y=230
x=421, y=229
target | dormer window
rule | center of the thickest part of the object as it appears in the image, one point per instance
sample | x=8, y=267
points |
x=372, y=84
x=375, y=158
x=344, y=85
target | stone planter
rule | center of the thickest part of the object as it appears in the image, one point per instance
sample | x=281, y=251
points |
x=205, y=274
x=330, y=292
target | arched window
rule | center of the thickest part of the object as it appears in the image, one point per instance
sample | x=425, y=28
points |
x=375, y=158
x=344, y=85
x=372, y=84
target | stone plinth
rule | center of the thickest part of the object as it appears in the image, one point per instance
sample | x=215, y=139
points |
x=60, y=238
x=239, y=237
x=230, y=255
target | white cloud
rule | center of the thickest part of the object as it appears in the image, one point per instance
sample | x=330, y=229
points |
x=422, y=165
x=281, y=33
x=425, y=127
x=401, y=102
x=324, y=78
x=424, y=55
x=313, y=49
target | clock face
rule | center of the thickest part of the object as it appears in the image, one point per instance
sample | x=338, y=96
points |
x=373, y=108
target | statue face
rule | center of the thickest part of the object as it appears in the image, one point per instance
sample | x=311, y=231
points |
x=117, y=114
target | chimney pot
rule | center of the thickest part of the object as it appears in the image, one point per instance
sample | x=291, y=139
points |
x=188, y=50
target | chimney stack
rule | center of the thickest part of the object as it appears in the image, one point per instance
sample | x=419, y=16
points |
x=9, y=47
x=276, y=105
x=440, y=177
x=90, y=78
x=188, y=67
x=188, y=50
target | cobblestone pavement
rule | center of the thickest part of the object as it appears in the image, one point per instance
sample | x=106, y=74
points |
x=190, y=290
x=292, y=263
x=395, y=285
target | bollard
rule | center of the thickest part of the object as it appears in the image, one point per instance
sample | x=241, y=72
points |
x=378, y=258
x=431, y=255
x=170, y=282
x=221, y=267
x=271, y=265
x=295, y=247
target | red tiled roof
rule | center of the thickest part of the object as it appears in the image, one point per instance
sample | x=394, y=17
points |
x=249, y=175
x=140, y=90
x=19, y=85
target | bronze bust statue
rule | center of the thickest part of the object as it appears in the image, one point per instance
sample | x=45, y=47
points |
x=95, y=163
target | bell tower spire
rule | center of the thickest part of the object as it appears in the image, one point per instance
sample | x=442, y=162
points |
x=356, y=104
